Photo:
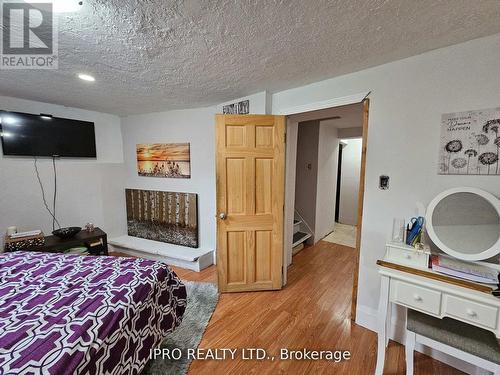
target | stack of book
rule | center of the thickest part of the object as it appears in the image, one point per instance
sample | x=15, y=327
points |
x=464, y=270
x=24, y=241
x=31, y=233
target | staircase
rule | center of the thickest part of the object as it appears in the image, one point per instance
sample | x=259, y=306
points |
x=301, y=233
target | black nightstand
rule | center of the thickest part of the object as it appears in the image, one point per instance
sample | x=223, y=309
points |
x=96, y=241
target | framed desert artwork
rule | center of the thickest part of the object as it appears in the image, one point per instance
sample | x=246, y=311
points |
x=163, y=216
x=470, y=143
x=171, y=160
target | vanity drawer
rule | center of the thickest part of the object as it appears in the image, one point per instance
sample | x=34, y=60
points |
x=413, y=296
x=473, y=312
x=409, y=257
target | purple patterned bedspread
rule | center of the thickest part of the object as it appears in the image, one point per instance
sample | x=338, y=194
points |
x=69, y=314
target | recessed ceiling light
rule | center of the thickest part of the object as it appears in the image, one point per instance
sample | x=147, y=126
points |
x=86, y=77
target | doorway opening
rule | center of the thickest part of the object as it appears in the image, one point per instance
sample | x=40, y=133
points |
x=347, y=191
x=317, y=170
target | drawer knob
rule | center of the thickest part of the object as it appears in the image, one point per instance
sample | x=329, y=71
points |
x=471, y=313
x=417, y=298
x=407, y=256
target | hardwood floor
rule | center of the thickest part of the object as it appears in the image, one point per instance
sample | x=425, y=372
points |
x=311, y=312
x=208, y=275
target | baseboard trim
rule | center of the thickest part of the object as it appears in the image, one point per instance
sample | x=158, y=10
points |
x=367, y=318
x=197, y=265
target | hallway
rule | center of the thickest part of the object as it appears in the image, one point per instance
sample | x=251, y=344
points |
x=343, y=234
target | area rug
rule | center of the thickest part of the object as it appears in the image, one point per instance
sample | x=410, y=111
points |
x=202, y=299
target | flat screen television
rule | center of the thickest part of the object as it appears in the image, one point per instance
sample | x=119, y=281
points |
x=24, y=134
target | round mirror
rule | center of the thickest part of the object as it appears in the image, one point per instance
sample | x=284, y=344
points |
x=465, y=223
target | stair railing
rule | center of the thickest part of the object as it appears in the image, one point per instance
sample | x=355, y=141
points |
x=305, y=222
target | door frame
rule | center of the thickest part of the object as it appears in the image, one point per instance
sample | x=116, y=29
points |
x=290, y=168
x=339, y=183
x=361, y=199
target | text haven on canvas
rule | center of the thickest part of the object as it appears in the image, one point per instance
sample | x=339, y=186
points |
x=163, y=216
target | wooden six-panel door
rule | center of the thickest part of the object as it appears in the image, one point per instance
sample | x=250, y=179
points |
x=250, y=196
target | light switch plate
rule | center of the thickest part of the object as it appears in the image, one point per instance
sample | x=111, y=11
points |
x=384, y=182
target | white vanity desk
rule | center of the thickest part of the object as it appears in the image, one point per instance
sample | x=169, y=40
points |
x=465, y=224
x=419, y=290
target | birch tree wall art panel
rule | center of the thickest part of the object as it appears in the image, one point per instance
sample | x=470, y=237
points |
x=470, y=143
x=171, y=160
x=163, y=216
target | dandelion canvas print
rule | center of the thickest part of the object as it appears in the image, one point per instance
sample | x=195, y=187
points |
x=171, y=160
x=470, y=143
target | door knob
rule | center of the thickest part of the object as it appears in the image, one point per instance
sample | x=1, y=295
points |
x=222, y=216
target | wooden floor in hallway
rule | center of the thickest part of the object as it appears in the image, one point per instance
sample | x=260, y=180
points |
x=312, y=311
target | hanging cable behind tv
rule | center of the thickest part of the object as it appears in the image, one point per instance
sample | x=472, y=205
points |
x=54, y=199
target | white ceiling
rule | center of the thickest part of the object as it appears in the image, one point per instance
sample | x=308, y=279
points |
x=158, y=55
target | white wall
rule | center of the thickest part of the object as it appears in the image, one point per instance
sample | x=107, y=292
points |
x=194, y=126
x=407, y=100
x=328, y=153
x=346, y=133
x=349, y=181
x=86, y=188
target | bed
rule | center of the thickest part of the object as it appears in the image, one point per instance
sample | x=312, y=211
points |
x=70, y=314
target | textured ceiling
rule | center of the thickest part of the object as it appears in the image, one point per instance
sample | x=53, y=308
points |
x=156, y=55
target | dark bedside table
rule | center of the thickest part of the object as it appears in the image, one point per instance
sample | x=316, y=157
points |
x=96, y=241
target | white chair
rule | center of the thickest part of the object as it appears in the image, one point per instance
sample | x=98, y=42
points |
x=450, y=336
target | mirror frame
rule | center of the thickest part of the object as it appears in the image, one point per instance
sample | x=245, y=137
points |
x=488, y=253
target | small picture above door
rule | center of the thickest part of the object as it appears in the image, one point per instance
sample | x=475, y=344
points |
x=240, y=108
